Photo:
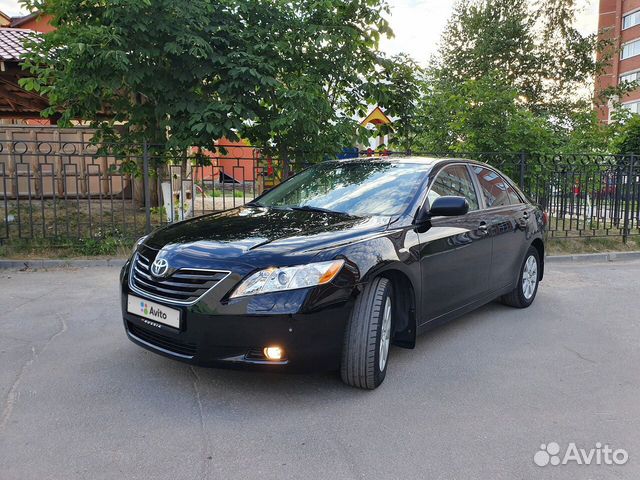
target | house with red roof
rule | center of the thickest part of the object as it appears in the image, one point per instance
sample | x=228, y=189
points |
x=18, y=106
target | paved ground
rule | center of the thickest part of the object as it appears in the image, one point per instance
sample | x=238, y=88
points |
x=474, y=400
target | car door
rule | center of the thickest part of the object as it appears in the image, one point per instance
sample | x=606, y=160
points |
x=455, y=252
x=507, y=215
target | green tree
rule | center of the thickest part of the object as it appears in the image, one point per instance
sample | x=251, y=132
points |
x=322, y=54
x=626, y=133
x=479, y=115
x=510, y=76
x=487, y=35
x=286, y=75
x=173, y=73
x=586, y=133
x=539, y=51
x=397, y=88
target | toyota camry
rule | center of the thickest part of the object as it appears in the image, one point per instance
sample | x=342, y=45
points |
x=333, y=266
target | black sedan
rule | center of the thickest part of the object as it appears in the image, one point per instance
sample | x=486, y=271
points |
x=334, y=265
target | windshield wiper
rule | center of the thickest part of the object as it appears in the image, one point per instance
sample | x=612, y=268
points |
x=309, y=208
x=262, y=205
x=302, y=208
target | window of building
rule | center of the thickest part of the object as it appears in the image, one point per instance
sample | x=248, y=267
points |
x=631, y=20
x=630, y=49
x=633, y=107
x=630, y=77
x=454, y=180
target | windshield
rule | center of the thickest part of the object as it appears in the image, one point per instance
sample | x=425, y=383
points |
x=361, y=189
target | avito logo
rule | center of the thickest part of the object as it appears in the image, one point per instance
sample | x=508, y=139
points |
x=150, y=310
x=550, y=454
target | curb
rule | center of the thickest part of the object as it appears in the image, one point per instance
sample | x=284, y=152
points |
x=593, y=257
x=28, y=264
x=24, y=265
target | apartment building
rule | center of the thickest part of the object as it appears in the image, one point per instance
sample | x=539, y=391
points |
x=619, y=21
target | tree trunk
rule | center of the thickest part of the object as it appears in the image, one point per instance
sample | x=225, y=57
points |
x=183, y=167
x=138, y=188
x=284, y=158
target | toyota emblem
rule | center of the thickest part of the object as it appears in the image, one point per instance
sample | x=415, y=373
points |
x=159, y=267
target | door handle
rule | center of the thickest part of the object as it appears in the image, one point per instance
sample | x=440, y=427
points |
x=522, y=221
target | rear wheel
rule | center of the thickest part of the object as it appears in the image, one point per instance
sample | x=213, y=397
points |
x=365, y=352
x=525, y=292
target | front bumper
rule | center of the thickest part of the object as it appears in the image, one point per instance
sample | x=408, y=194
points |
x=309, y=325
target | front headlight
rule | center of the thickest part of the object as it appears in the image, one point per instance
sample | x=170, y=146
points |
x=288, y=278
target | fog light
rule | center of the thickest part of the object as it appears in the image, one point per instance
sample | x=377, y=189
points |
x=273, y=353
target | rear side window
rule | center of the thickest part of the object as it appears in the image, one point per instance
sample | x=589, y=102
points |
x=513, y=196
x=495, y=189
x=454, y=180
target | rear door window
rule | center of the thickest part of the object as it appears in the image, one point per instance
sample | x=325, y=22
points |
x=514, y=198
x=496, y=190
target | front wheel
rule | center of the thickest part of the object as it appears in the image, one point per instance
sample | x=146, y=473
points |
x=365, y=352
x=525, y=292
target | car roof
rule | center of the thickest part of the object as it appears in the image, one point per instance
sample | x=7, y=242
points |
x=430, y=161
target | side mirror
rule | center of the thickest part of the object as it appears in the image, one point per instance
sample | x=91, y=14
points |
x=449, y=207
x=444, y=207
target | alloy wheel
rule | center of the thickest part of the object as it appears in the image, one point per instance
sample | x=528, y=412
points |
x=529, y=277
x=385, y=335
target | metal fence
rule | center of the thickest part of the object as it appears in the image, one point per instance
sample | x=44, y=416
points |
x=74, y=190
x=70, y=191
x=585, y=195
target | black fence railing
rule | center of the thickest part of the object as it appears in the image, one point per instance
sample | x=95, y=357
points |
x=586, y=195
x=70, y=191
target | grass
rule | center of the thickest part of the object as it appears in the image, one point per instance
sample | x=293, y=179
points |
x=115, y=245
x=78, y=218
x=109, y=246
x=239, y=193
x=570, y=246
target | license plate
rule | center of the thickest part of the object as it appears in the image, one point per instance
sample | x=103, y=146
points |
x=153, y=311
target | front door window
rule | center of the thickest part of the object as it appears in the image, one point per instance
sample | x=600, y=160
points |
x=454, y=180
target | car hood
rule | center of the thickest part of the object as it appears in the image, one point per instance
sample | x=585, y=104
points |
x=258, y=235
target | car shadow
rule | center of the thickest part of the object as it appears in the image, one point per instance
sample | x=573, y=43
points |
x=215, y=384
x=452, y=328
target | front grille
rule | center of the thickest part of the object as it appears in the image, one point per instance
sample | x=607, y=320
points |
x=163, y=341
x=184, y=286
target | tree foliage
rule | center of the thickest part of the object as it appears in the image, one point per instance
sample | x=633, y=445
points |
x=286, y=75
x=322, y=53
x=397, y=88
x=626, y=133
x=480, y=115
x=512, y=77
x=539, y=51
x=174, y=73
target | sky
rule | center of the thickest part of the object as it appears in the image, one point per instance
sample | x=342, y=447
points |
x=11, y=7
x=417, y=24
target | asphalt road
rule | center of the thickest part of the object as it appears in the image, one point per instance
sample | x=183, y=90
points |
x=474, y=400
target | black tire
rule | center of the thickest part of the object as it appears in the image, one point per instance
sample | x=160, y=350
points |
x=360, y=366
x=516, y=297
